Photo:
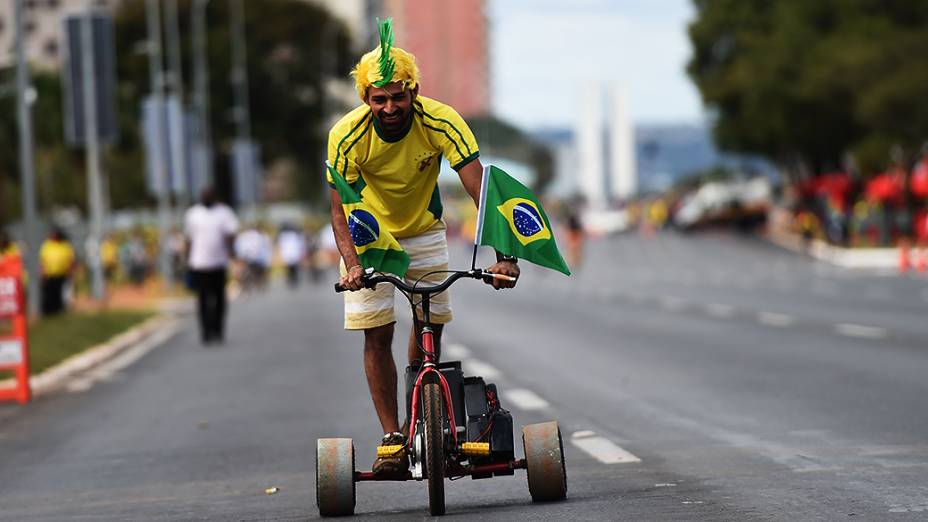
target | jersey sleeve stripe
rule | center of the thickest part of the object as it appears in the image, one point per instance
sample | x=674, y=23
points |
x=347, y=150
x=338, y=149
x=465, y=161
x=455, y=129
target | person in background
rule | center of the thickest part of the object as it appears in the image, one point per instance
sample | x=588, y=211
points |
x=291, y=246
x=7, y=246
x=109, y=257
x=249, y=248
x=56, y=260
x=209, y=229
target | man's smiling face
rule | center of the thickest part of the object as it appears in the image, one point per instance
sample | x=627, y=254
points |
x=392, y=105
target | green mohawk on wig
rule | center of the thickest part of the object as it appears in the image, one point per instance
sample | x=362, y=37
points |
x=386, y=62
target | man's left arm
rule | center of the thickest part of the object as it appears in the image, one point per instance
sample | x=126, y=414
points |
x=471, y=175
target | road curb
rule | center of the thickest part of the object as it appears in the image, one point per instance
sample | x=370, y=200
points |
x=882, y=258
x=59, y=376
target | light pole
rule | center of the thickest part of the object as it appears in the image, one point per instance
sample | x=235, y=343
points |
x=156, y=73
x=244, y=149
x=26, y=168
x=92, y=154
x=204, y=156
x=177, y=126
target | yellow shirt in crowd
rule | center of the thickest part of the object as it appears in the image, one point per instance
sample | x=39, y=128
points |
x=56, y=258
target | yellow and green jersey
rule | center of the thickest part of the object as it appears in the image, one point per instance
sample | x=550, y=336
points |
x=398, y=178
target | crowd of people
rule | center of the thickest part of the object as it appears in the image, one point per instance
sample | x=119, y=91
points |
x=890, y=208
x=129, y=258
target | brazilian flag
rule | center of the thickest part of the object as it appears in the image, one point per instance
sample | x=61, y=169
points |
x=376, y=246
x=512, y=221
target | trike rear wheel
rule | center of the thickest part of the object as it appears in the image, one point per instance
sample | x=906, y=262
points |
x=335, y=486
x=432, y=400
x=544, y=459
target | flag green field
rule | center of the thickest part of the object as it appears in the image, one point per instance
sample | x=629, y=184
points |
x=512, y=221
x=375, y=245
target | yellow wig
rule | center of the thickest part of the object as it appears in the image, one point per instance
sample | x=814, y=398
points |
x=385, y=64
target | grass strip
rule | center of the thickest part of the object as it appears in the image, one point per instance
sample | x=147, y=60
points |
x=54, y=339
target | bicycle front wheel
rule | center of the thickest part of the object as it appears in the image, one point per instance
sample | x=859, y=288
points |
x=433, y=402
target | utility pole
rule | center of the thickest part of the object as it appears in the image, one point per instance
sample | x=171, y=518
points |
x=177, y=125
x=92, y=154
x=240, y=69
x=244, y=150
x=25, y=95
x=156, y=73
x=204, y=156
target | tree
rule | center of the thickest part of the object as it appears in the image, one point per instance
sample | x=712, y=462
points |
x=803, y=83
x=294, y=49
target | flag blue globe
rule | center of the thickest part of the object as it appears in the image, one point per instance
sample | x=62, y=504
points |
x=527, y=220
x=363, y=227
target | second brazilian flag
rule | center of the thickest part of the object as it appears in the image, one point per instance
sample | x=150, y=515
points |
x=375, y=245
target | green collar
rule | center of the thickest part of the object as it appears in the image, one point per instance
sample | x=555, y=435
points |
x=398, y=137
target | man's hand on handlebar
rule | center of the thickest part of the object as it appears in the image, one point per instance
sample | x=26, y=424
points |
x=508, y=268
x=353, y=280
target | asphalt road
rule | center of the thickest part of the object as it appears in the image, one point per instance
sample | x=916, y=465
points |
x=694, y=378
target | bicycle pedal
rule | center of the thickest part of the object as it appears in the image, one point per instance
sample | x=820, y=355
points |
x=397, y=450
x=476, y=449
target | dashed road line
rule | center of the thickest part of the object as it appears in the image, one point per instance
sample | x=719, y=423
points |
x=475, y=367
x=719, y=310
x=601, y=448
x=775, y=319
x=861, y=331
x=525, y=400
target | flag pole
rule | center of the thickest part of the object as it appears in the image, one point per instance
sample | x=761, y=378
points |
x=478, y=232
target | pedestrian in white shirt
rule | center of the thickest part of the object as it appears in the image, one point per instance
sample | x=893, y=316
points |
x=209, y=229
x=291, y=245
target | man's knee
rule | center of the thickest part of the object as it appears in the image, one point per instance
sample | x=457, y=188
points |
x=379, y=338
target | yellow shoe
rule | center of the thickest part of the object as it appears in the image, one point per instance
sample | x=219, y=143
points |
x=391, y=457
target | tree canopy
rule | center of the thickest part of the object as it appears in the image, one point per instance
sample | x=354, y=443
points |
x=294, y=49
x=805, y=83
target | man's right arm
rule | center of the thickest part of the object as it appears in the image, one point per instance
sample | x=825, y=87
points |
x=351, y=281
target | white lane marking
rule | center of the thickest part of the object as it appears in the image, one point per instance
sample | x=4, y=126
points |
x=475, y=367
x=525, y=400
x=723, y=311
x=775, y=319
x=456, y=351
x=601, y=448
x=859, y=330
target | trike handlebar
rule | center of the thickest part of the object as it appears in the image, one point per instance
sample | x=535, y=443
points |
x=370, y=281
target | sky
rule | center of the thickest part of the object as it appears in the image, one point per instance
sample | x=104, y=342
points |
x=543, y=51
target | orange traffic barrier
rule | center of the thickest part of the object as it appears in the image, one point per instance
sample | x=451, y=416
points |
x=14, y=346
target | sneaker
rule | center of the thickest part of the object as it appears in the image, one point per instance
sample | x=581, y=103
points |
x=391, y=457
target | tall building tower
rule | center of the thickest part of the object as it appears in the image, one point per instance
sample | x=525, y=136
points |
x=449, y=40
x=623, y=176
x=588, y=140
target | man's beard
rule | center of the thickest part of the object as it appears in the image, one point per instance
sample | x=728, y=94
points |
x=396, y=123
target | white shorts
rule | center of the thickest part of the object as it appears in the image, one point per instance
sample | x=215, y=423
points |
x=428, y=252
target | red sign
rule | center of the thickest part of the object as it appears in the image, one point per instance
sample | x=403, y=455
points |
x=14, y=349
